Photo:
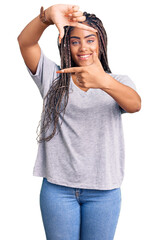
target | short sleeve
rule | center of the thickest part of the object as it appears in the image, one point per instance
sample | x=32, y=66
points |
x=126, y=80
x=45, y=73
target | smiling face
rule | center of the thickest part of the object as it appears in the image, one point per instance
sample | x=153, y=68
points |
x=82, y=45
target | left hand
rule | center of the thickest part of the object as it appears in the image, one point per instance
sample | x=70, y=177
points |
x=92, y=76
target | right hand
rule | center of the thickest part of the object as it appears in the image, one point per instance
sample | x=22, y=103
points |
x=66, y=15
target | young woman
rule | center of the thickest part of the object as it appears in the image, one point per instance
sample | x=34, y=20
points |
x=81, y=149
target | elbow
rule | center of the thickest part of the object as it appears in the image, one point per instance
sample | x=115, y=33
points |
x=18, y=39
x=137, y=105
x=138, y=108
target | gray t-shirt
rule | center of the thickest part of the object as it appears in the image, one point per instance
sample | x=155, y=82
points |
x=88, y=151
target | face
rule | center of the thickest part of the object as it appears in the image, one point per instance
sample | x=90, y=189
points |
x=82, y=45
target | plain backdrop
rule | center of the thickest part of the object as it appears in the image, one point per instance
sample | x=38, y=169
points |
x=133, y=40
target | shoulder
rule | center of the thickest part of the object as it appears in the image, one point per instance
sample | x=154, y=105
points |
x=119, y=76
x=124, y=79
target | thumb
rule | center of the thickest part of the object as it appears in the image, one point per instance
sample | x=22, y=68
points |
x=61, y=32
x=95, y=57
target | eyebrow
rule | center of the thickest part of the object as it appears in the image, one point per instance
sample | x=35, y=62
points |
x=84, y=37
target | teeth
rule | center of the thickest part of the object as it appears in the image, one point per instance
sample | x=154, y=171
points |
x=84, y=56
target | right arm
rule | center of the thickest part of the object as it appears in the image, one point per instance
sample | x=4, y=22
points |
x=28, y=43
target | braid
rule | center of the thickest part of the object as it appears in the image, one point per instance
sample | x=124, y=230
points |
x=58, y=93
x=96, y=23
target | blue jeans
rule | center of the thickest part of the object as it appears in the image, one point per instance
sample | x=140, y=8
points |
x=79, y=214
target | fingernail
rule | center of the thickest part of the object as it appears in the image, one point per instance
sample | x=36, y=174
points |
x=60, y=71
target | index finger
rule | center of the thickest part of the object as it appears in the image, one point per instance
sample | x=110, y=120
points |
x=83, y=26
x=70, y=70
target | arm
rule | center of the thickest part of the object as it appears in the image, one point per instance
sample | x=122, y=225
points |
x=125, y=96
x=94, y=76
x=59, y=15
x=28, y=42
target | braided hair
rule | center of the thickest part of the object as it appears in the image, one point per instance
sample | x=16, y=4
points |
x=58, y=92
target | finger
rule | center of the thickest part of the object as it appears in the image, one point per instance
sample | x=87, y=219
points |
x=73, y=8
x=61, y=32
x=95, y=57
x=71, y=70
x=79, y=19
x=83, y=26
x=76, y=14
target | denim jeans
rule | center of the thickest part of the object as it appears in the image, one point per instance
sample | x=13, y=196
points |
x=79, y=214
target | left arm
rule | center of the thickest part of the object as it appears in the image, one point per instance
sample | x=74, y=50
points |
x=94, y=76
x=125, y=96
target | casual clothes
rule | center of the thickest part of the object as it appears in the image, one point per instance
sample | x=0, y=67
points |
x=88, y=151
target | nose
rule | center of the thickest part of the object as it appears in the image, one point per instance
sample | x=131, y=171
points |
x=83, y=46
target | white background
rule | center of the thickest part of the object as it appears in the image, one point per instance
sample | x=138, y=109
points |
x=133, y=50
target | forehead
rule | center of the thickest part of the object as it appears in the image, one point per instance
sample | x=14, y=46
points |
x=79, y=32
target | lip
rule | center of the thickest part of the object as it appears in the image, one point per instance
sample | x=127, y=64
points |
x=84, y=56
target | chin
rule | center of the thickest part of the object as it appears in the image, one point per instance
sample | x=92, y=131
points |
x=84, y=63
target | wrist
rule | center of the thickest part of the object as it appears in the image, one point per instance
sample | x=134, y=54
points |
x=44, y=16
x=105, y=82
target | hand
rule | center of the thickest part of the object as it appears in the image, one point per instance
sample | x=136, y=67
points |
x=92, y=76
x=66, y=15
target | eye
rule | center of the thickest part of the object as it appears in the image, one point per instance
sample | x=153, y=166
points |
x=74, y=42
x=90, y=40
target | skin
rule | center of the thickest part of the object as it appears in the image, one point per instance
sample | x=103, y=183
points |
x=83, y=42
x=66, y=15
x=91, y=74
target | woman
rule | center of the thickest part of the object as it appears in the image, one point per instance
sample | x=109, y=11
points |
x=81, y=151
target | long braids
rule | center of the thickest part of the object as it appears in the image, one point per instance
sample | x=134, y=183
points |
x=59, y=88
